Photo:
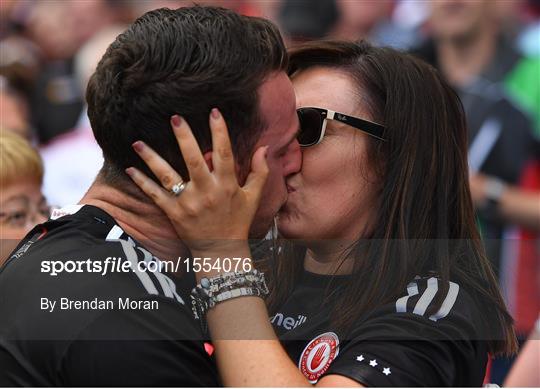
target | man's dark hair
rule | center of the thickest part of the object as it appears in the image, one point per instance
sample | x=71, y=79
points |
x=185, y=62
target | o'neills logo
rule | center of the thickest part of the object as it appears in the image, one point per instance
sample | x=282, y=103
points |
x=318, y=355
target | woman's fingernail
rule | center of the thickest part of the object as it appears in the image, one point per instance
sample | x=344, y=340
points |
x=129, y=171
x=138, y=146
x=176, y=120
x=215, y=113
x=266, y=151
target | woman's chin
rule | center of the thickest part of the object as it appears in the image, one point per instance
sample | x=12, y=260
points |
x=287, y=227
x=292, y=228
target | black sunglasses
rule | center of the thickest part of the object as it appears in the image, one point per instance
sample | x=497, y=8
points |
x=313, y=125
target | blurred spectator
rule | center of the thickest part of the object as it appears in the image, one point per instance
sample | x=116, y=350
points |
x=59, y=28
x=500, y=90
x=302, y=20
x=523, y=82
x=529, y=37
x=12, y=14
x=411, y=14
x=22, y=205
x=19, y=67
x=371, y=20
x=19, y=62
x=474, y=55
x=73, y=160
x=474, y=52
x=515, y=205
x=13, y=110
x=509, y=14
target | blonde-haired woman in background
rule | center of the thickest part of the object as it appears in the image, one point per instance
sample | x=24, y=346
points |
x=22, y=205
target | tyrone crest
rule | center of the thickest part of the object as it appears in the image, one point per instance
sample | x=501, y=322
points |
x=318, y=355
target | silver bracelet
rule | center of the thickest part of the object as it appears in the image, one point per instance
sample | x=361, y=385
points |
x=212, y=291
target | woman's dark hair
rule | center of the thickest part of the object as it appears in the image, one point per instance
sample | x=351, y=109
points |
x=184, y=61
x=425, y=220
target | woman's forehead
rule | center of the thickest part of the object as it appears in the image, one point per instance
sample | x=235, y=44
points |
x=327, y=88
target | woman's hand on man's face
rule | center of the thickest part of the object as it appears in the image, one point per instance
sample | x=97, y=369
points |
x=213, y=211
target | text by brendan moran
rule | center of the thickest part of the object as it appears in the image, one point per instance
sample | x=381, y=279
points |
x=95, y=304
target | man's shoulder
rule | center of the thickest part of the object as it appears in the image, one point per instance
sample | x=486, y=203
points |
x=84, y=242
x=72, y=270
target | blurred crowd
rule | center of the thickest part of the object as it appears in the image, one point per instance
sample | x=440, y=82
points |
x=489, y=50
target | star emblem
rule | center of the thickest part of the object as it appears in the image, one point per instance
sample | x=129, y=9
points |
x=373, y=362
x=360, y=358
x=386, y=371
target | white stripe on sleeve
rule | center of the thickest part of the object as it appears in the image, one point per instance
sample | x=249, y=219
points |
x=448, y=302
x=131, y=255
x=427, y=297
x=401, y=303
x=115, y=233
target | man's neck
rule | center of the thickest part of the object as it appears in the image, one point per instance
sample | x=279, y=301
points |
x=143, y=221
x=461, y=60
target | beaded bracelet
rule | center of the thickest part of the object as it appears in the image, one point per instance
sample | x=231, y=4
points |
x=212, y=291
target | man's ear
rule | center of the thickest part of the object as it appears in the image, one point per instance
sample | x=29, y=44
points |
x=208, y=159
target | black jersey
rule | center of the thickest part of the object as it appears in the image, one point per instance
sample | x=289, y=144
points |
x=88, y=328
x=398, y=344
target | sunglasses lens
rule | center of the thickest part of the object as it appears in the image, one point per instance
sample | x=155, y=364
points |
x=310, y=126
